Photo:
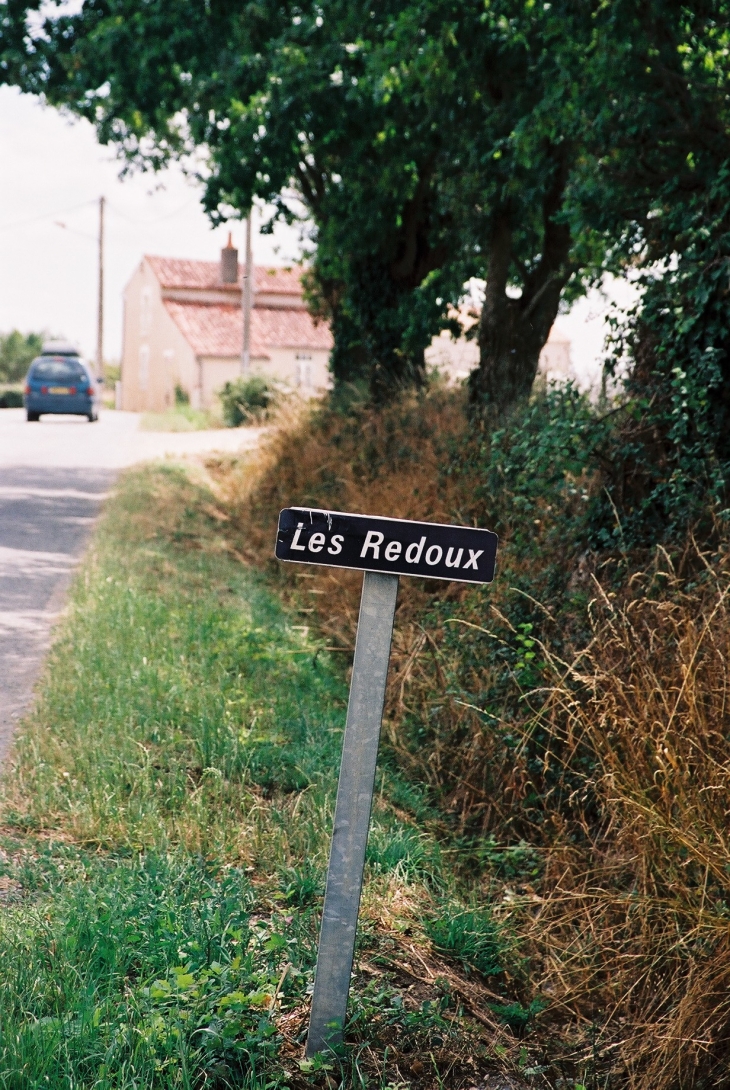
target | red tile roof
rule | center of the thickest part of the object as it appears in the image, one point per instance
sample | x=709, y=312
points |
x=178, y=272
x=215, y=329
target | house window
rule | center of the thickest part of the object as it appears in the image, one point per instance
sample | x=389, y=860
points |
x=304, y=369
x=145, y=311
x=144, y=366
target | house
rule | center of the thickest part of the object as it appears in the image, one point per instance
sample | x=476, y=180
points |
x=183, y=328
x=455, y=358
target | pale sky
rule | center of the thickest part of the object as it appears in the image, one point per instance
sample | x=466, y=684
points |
x=53, y=173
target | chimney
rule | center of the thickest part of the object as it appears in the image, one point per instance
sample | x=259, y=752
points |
x=229, y=263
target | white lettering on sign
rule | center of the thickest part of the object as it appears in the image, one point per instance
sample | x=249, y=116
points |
x=411, y=557
x=454, y=563
x=474, y=555
x=427, y=550
x=373, y=540
x=434, y=554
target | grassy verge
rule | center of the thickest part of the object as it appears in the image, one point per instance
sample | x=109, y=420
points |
x=181, y=418
x=165, y=825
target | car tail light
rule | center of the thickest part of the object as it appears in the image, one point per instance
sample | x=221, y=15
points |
x=44, y=389
x=89, y=391
x=72, y=390
x=28, y=389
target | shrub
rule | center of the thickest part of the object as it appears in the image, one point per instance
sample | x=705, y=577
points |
x=11, y=399
x=16, y=353
x=246, y=400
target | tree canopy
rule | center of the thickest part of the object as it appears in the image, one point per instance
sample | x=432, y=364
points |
x=17, y=350
x=533, y=145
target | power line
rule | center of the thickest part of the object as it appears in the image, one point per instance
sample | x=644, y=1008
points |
x=157, y=219
x=75, y=231
x=46, y=216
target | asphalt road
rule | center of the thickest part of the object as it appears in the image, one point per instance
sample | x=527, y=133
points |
x=54, y=476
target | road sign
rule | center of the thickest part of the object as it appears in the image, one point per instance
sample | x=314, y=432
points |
x=384, y=548
x=430, y=550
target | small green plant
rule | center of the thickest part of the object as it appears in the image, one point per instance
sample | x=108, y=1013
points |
x=182, y=397
x=246, y=400
x=517, y=1017
x=403, y=851
x=301, y=886
x=471, y=937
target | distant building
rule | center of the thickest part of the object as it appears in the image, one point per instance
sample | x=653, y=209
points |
x=456, y=358
x=183, y=327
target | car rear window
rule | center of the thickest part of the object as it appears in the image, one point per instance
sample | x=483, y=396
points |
x=59, y=370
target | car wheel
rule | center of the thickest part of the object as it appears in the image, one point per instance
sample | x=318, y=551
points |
x=32, y=418
x=92, y=418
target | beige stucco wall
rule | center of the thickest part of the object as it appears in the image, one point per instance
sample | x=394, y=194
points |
x=301, y=369
x=155, y=355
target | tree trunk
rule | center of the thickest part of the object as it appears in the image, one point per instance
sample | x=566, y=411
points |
x=512, y=332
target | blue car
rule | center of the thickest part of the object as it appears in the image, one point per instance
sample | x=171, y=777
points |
x=59, y=382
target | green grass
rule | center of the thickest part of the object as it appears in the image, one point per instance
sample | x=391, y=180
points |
x=181, y=418
x=166, y=824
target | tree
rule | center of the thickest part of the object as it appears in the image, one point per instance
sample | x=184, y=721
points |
x=16, y=353
x=418, y=135
x=430, y=141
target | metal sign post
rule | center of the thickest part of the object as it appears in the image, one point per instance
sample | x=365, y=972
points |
x=384, y=549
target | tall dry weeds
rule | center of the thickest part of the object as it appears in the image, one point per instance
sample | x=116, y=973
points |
x=634, y=924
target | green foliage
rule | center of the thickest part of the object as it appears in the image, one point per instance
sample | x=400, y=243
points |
x=11, y=399
x=182, y=397
x=516, y=1016
x=534, y=145
x=16, y=353
x=471, y=937
x=134, y=970
x=677, y=433
x=404, y=852
x=247, y=400
x=301, y=886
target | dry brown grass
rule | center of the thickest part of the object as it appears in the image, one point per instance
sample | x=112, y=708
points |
x=627, y=927
x=389, y=464
x=634, y=925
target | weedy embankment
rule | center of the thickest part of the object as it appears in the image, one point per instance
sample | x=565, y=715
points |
x=165, y=828
x=569, y=722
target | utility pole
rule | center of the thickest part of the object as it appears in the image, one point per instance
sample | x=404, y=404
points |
x=100, y=312
x=246, y=302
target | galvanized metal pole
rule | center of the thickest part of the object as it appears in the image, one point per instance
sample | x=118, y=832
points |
x=352, y=811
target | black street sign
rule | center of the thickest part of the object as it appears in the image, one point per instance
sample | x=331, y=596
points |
x=384, y=549
x=429, y=550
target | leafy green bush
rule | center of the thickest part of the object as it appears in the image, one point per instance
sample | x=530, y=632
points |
x=11, y=399
x=246, y=400
x=16, y=353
